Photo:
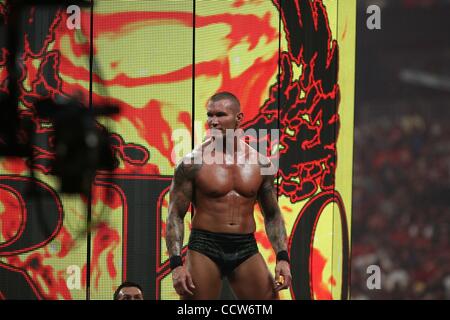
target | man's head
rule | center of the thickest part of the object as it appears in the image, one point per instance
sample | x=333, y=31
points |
x=128, y=291
x=224, y=112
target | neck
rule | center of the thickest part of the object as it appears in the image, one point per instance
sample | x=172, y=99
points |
x=227, y=144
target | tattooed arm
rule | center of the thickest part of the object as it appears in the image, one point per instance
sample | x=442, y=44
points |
x=275, y=229
x=180, y=197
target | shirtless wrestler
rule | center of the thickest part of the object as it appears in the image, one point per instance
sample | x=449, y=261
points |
x=223, y=193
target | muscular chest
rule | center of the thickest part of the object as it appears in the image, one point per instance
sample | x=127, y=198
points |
x=219, y=180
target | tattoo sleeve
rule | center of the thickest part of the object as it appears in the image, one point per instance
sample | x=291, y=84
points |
x=180, y=197
x=273, y=220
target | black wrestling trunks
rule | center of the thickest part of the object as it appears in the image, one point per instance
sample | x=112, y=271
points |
x=227, y=250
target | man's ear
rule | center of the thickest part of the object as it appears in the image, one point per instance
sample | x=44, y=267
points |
x=239, y=118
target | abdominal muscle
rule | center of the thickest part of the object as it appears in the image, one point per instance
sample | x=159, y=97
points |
x=232, y=213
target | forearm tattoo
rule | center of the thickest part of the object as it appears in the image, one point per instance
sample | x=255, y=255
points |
x=274, y=223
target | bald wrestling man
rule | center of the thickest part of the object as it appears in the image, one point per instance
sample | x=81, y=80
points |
x=223, y=193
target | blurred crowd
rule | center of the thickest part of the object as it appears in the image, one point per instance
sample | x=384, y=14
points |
x=401, y=206
x=406, y=3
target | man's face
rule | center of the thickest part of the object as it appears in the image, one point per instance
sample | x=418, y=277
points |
x=130, y=293
x=223, y=115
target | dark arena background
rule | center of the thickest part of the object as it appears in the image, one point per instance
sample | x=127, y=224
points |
x=401, y=185
x=100, y=99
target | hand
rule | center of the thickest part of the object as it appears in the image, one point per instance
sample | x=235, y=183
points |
x=283, y=273
x=182, y=281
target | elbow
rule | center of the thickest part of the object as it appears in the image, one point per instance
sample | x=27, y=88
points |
x=173, y=218
x=271, y=216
